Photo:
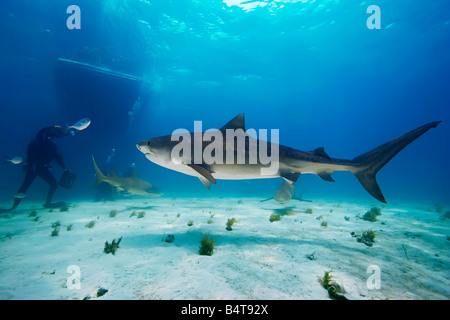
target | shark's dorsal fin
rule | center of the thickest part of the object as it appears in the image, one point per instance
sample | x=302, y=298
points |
x=113, y=173
x=134, y=174
x=204, y=172
x=320, y=152
x=237, y=122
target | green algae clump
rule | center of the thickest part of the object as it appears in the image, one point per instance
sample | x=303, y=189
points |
x=372, y=214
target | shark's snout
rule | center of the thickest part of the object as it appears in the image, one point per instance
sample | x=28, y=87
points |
x=142, y=147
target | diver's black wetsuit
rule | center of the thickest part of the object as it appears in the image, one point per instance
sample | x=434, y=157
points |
x=41, y=151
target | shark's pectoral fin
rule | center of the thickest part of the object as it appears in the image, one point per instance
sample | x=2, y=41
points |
x=205, y=182
x=325, y=176
x=120, y=188
x=123, y=191
x=290, y=177
x=204, y=172
x=295, y=197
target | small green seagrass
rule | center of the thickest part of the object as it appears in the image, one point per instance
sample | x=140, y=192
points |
x=275, y=217
x=112, y=247
x=230, y=224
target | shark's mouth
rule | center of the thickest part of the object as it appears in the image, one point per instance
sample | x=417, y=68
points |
x=145, y=150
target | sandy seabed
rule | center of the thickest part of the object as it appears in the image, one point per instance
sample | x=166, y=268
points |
x=258, y=259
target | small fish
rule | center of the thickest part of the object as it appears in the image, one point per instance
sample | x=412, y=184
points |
x=20, y=195
x=81, y=125
x=15, y=160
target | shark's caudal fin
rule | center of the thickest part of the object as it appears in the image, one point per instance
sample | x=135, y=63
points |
x=100, y=176
x=368, y=164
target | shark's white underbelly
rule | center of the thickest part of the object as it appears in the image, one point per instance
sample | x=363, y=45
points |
x=246, y=171
x=223, y=171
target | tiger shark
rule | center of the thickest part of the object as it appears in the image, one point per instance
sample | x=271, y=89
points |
x=291, y=163
x=129, y=185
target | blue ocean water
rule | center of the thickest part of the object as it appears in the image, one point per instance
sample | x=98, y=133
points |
x=312, y=69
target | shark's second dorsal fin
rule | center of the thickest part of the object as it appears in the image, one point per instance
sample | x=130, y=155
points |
x=320, y=152
x=134, y=174
x=237, y=122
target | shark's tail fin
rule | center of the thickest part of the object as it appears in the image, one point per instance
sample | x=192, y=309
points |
x=368, y=164
x=100, y=176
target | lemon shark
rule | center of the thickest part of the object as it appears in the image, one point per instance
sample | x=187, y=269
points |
x=285, y=193
x=129, y=185
x=291, y=163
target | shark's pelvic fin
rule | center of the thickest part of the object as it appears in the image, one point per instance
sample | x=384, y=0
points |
x=368, y=164
x=325, y=176
x=289, y=177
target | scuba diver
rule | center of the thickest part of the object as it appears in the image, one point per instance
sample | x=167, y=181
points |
x=41, y=151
